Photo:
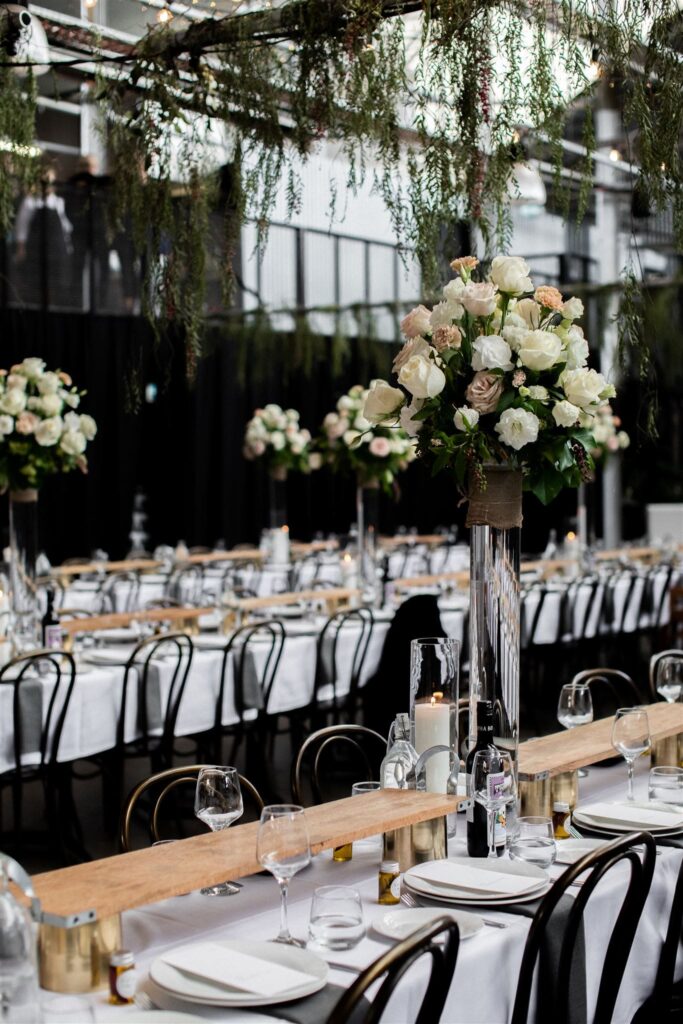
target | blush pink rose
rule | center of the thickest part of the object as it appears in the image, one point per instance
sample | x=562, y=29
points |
x=27, y=423
x=379, y=447
x=484, y=391
x=416, y=322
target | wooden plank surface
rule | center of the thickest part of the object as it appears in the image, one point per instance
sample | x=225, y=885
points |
x=178, y=617
x=326, y=594
x=586, y=744
x=130, y=880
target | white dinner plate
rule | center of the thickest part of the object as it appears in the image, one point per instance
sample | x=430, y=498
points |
x=425, y=890
x=399, y=924
x=198, y=990
x=612, y=831
x=118, y=636
x=571, y=850
x=162, y=1017
x=583, y=816
x=455, y=895
x=104, y=657
x=209, y=641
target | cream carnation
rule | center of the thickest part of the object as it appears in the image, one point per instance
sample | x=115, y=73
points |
x=511, y=275
x=422, y=377
x=491, y=352
x=548, y=297
x=517, y=428
x=464, y=263
x=447, y=337
x=540, y=350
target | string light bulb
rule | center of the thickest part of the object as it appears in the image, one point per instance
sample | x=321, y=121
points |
x=164, y=15
x=614, y=155
x=90, y=4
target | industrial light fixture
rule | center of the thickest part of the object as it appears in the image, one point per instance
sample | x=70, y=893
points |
x=24, y=39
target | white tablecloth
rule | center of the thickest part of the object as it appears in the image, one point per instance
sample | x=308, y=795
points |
x=485, y=980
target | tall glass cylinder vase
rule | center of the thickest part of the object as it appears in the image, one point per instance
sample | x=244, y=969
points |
x=495, y=518
x=367, y=517
x=23, y=542
x=277, y=516
x=434, y=673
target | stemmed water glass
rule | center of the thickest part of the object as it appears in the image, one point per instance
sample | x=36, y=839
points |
x=631, y=737
x=670, y=678
x=575, y=707
x=282, y=848
x=493, y=785
x=218, y=802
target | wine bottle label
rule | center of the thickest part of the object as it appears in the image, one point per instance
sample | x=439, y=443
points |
x=395, y=887
x=53, y=636
x=500, y=829
x=495, y=784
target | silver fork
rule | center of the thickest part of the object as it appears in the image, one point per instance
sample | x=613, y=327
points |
x=409, y=900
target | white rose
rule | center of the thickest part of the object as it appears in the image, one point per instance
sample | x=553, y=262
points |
x=465, y=418
x=70, y=398
x=517, y=427
x=530, y=311
x=514, y=335
x=32, y=367
x=566, y=414
x=72, y=442
x=49, y=431
x=413, y=347
x=602, y=432
x=540, y=350
x=352, y=438
x=345, y=403
x=49, y=384
x=296, y=447
x=13, y=402
x=585, y=387
x=17, y=380
x=422, y=377
x=277, y=440
x=315, y=460
x=479, y=299
x=576, y=348
x=360, y=423
x=6, y=425
x=416, y=322
x=511, y=275
x=412, y=427
x=51, y=405
x=537, y=392
x=292, y=415
x=383, y=401
x=491, y=352
x=572, y=309
x=72, y=421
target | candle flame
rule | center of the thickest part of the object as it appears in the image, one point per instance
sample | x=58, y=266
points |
x=571, y=535
x=438, y=695
x=285, y=529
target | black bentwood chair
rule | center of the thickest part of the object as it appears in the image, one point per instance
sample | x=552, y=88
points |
x=338, y=752
x=355, y=625
x=666, y=1001
x=158, y=788
x=394, y=964
x=594, y=866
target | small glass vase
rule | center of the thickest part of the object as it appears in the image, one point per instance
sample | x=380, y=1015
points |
x=23, y=542
x=495, y=518
x=367, y=517
x=434, y=673
x=279, y=545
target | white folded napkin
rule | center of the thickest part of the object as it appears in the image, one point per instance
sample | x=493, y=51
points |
x=461, y=876
x=571, y=854
x=642, y=815
x=115, y=657
x=234, y=970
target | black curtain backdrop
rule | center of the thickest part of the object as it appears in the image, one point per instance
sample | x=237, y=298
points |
x=184, y=449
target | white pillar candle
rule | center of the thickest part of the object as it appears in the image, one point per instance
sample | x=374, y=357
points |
x=280, y=546
x=433, y=728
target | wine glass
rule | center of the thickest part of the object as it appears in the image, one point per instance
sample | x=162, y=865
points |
x=631, y=737
x=493, y=785
x=670, y=679
x=575, y=707
x=282, y=848
x=218, y=802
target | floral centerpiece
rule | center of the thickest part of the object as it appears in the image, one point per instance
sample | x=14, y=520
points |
x=371, y=450
x=494, y=384
x=41, y=434
x=497, y=373
x=609, y=439
x=40, y=431
x=275, y=435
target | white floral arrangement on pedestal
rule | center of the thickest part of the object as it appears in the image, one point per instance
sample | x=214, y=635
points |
x=275, y=435
x=374, y=452
x=497, y=373
x=40, y=431
x=609, y=439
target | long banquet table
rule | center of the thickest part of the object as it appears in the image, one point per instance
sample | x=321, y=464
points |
x=485, y=979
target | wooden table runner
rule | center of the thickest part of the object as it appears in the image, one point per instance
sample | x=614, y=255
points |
x=130, y=880
x=586, y=744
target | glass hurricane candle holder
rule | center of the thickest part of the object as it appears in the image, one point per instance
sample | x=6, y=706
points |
x=434, y=674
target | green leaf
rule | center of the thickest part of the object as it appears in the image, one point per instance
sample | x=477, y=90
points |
x=547, y=485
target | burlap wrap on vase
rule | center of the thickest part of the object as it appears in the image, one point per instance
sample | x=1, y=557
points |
x=500, y=505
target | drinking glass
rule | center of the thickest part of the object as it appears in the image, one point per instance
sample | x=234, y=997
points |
x=670, y=679
x=282, y=848
x=371, y=842
x=336, y=917
x=666, y=785
x=493, y=785
x=631, y=737
x=67, y=1010
x=575, y=706
x=218, y=802
x=534, y=841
